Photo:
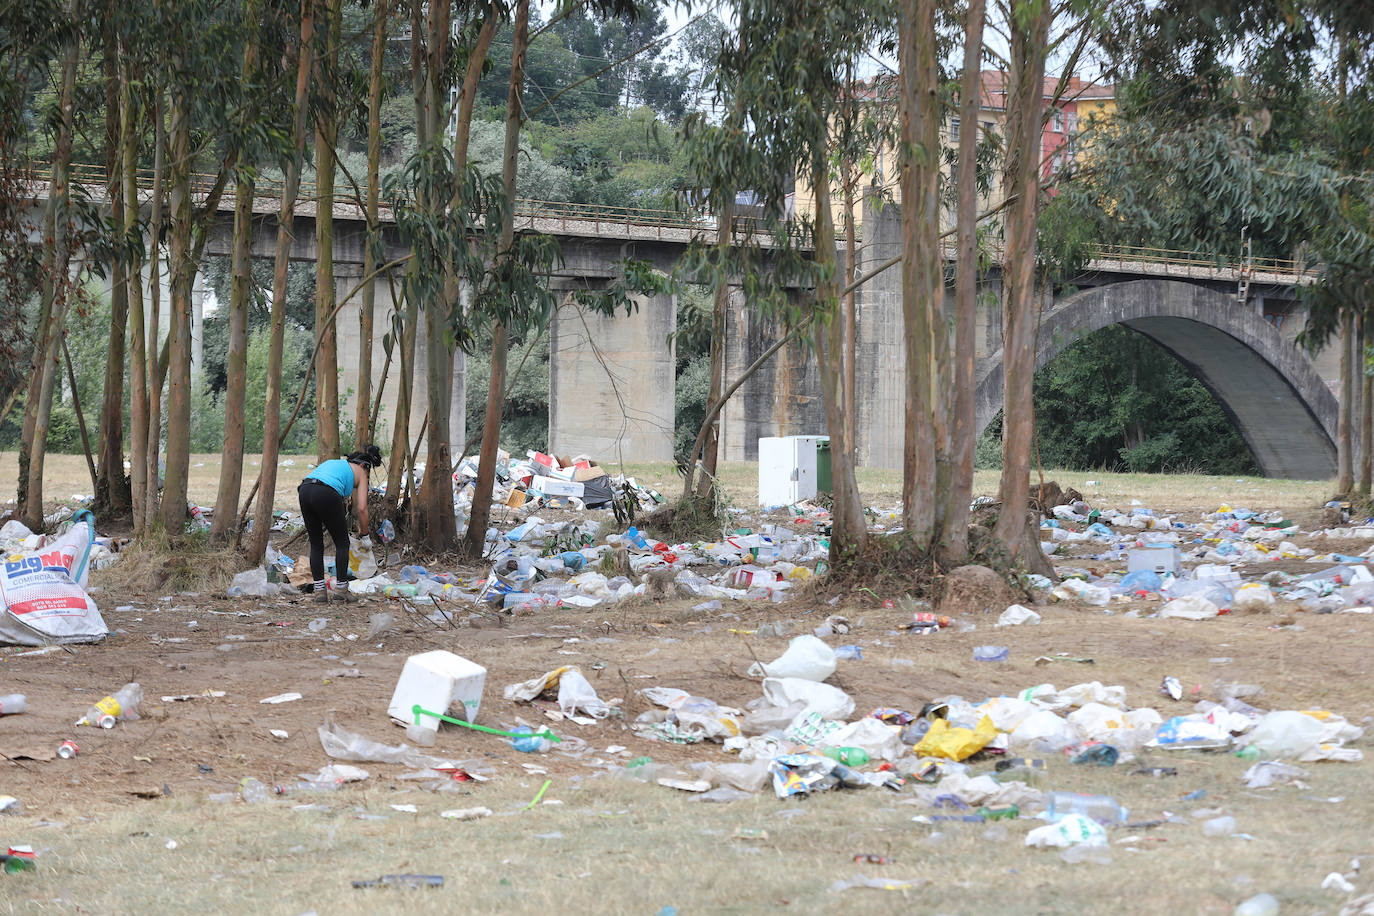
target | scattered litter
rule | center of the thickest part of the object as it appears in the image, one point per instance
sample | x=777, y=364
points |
x=281, y=698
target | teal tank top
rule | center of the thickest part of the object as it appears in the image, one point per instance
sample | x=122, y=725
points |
x=336, y=472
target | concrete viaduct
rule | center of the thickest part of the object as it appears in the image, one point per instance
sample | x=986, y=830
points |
x=612, y=379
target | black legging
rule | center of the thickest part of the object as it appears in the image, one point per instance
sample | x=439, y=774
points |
x=322, y=507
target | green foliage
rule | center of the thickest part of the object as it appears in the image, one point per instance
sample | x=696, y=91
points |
x=207, y=404
x=525, y=417
x=622, y=160
x=693, y=387
x=1116, y=401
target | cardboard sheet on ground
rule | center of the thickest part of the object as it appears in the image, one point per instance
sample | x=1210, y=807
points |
x=43, y=592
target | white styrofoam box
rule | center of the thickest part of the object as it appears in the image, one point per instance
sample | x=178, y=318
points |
x=787, y=469
x=441, y=682
x=1161, y=559
x=552, y=486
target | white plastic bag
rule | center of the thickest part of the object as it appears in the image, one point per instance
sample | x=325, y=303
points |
x=43, y=596
x=806, y=657
x=1016, y=615
x=830, y=702
x=1285, y=733
x=880, y=740
x=1070, y=830
x=361, y=563
x=1190, y=607
x=1252, y=596
x=575, y=692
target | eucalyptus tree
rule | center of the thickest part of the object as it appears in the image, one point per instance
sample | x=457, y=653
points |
x=1029, y=26
x=301, y=55
x=57, y=289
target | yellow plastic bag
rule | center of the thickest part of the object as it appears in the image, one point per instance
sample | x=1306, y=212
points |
x=955, y=743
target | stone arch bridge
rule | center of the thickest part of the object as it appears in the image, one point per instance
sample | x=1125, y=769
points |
x=1235, y=333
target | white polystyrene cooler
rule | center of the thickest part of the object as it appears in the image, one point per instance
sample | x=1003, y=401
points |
x=440, y=682
x=787, y=469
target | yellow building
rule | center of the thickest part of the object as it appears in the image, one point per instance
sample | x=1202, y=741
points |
x=1080, y=101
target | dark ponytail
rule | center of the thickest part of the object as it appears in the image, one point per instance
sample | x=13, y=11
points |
x=369, y=457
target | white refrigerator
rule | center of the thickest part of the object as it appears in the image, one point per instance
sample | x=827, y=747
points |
x=787, y=469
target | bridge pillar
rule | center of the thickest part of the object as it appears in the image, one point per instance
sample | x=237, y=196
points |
x=782, y=399
x=611, y=391
x=880, y=364
x=350, y=348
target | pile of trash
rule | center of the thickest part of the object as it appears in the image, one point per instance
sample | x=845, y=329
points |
x=1155, y=548
x=541, y=480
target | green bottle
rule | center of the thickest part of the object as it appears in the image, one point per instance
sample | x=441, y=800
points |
x=849, y=756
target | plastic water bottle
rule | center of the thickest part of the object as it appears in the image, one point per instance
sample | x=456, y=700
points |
x=12, y=704
x=849, y=653
x=412, y=574
x=400, y=591
x=527, y=741
x=849, y=756
x=990, y=653
x=387, y=532
x=122, y=704
x=635, y=538
x=234, y=591
x=1102, y=808
x=252, y=790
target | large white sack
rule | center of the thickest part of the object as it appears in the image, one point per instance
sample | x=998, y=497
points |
x=43, y=594
x=830, y=702
x=806, y=657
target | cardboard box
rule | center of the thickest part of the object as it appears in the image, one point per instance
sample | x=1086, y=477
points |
x=592, y=472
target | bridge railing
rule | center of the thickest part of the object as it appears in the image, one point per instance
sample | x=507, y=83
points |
x=577, y=217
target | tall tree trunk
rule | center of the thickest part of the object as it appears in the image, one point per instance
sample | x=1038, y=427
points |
x=55, y=296
x=922, y=270
x=138, y=363
x=1029, y=33
x=706, y=448
x=112, y=487
x=154, y=317
x=475, y=540
x=439, y=526
x=849, y=530
x=1345, y=469
x=399, y=469
x=326, y=331
x=362, y=421
x=182, y=270
x=847, y=186
x=271, y=422
x=241, y=271
x=1366, y=408
x=953, y=548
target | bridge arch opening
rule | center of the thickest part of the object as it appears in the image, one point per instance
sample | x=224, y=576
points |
x=1281, y=408
x=1115, y=400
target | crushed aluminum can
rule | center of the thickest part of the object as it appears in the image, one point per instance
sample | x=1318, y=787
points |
x=67, y=750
